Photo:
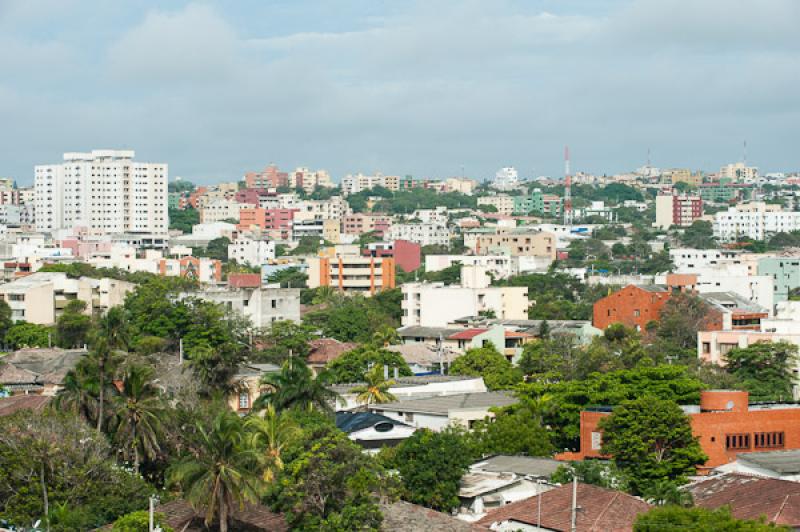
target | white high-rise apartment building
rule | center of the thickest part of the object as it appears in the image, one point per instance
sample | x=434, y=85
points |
x=506, y=179
x=103, y=190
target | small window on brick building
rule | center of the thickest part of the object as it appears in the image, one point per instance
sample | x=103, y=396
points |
x=636, y=313
x=737, y=441
x=768, y=440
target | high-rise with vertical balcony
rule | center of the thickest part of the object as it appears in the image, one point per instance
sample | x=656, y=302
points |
x=104, y=190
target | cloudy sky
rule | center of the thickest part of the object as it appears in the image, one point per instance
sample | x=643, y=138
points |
x=216, y=88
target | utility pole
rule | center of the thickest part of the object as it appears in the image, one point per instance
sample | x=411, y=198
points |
x=539, y=509
x=152, y=512
x=574, y=523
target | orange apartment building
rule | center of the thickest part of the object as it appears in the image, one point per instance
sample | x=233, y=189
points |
x=354, y=274
x=725, y=424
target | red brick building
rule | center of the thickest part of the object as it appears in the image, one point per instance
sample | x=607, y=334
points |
x=407, y=255
x=725, y=424
x=634, y=306
x=637, y=305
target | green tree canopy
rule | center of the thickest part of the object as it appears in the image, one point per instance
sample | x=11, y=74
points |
x=669, y=518
x=57, y=454
x=72, y=327
x=23, y=334
x=651, y=440
x=353, y=365
x=330, y=484
x=431, y=465
x=765, y=369
x=497, y=372
x=668, y=382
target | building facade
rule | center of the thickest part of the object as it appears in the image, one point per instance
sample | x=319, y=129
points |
x=105, y=190
x=352, y=273
x=677, y=210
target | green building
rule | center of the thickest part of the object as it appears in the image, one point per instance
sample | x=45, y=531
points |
x=785, y=271
x=174, y=200
x=538, y=203
x=725, y=192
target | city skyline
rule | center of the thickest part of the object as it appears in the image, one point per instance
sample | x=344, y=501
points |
x=216, y=90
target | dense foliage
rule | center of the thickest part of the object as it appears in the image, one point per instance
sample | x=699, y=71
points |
x=651, y=440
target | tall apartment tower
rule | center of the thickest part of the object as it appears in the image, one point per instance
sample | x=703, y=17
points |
x=104, y=190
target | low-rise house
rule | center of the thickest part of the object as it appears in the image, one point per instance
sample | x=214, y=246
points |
x=37, y=371
x=507, y=342
x=436, y=413
x=323, y=351
x=599, y=509
x=248, y=386
x=262, y=306
x=373, y=431
x=414, y=387
x=501, y=480
x=783, y=465
x=15, y=403
x=422, y=358
x=751, y=497
x=402, y=516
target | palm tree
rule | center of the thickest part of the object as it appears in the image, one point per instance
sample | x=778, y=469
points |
x=376, y=389
x=324, y=295
x=138, y=410
x=539, y=406
x=112, y=334
x=272, y=433
x=222, y=473
x=386, y=336
x=294, y=386
x=79, y=391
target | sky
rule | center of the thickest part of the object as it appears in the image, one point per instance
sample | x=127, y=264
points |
x=434, y=88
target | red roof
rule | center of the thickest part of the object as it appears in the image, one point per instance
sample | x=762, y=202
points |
x=244, y=280
x=751, y=497
x=517, y=334
x=15, y=403
x=600, y=509
x=466, y=334
x=324, y=350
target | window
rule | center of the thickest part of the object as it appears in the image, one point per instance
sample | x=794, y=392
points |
x=737, y=441
x=597, y=440
x=409, y=417
x=768, y=440
x=244, y=400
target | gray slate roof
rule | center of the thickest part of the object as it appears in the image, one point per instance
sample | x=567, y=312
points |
x=521, y=465
x=783, y=462
x=427, y=332
x=443, y=404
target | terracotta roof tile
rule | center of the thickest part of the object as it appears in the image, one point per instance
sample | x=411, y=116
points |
x=467, y=334
x=600, y=509
x=324, y=350
x=15, y=403
x=751, y=497
x=244, y=280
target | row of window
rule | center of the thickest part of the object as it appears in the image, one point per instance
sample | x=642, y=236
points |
x=759, y=440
